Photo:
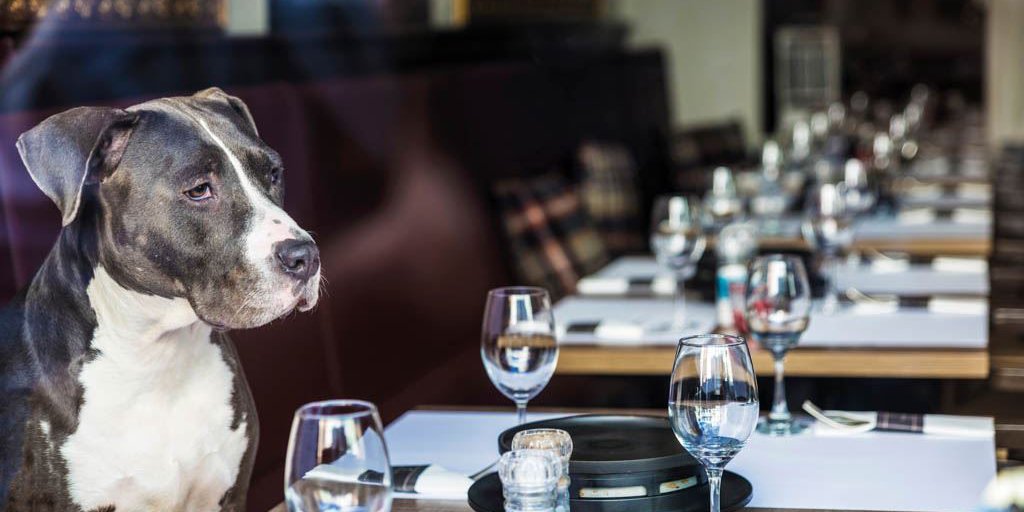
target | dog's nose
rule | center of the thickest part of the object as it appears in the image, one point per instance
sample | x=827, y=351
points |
x=298, y=258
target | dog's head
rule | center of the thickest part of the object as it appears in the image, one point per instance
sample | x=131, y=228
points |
x=187, y=203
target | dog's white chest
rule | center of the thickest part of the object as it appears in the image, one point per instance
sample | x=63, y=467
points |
x=154, y=429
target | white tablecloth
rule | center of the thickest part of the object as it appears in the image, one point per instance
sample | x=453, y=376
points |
x=847, y=328
x=887, y=228
x=650, y=313
x=873, y=471
x=918, y=279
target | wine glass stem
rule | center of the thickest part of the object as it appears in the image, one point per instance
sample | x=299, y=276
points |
x=521, y=412
x=715, y=488
x=679, y=303
x=780, y=410
x=831, y=286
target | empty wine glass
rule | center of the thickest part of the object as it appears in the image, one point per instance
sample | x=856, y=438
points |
x=778, y=311
x=858, y=195
x=518, y=344
x=712, y=401
x=721, y=202
x=828, y=231
x=337, y=459
x=677, y=240
x=771, y=200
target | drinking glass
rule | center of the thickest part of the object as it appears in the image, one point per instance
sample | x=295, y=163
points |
x=722, y=203
x=337, y=459
x=559, y=443
x=712, y=401
x=828, y=230
x=677, y=241
x=529, y=480
x=778, y=311
x=858, y=197
x=518, y=344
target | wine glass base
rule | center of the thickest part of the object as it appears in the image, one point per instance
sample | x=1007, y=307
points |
x=782, y=428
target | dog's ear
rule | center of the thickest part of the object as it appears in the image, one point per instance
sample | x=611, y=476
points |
x=74, y=148
x=236, y=104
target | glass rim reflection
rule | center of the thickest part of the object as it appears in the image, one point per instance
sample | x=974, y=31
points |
x=517, y=291
x=712, y=340
x=337, y=408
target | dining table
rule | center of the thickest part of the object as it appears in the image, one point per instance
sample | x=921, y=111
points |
x=816, y=471
x=943, y=336
x=918, y=232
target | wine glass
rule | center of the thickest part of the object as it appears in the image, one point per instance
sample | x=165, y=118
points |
x=337, y=459
x=518, y=344
x=712, y=401
x=828, y=230
x=858, y=196
x=778, y=311
x=678, y=242
x=722, y=203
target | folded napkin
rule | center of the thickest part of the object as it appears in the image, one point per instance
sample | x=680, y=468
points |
x=610, y=330
x=930, y=424
x=596, y=285
x=949, y=426
x=917, y=216
x=974, y=166
x=890, y=265
x=875, y=307
x=429, y=481
x=966, y=265
x=958, y=306
x=924, y=192
x=981, y=191
x=936, y=166
x=971, y=216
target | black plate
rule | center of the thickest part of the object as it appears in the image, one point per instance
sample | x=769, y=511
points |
x=485, y=496
x=608, y=444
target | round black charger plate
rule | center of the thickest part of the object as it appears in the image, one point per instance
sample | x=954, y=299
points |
x=485, y=496
x=614, y=444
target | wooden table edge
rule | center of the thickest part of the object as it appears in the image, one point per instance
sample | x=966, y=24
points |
x=597, y=359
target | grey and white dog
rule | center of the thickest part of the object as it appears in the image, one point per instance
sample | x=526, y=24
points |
x=119, y=390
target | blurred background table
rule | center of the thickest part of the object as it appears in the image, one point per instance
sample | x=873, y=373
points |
x=965, y=237
x=904, y=343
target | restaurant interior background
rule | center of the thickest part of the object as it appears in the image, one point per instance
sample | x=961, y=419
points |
x=401, y=123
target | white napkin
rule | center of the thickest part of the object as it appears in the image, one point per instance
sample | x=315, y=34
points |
x=439, y=483
x=972, y=216
x=602, y=286
x=924, y=192
x=934, y=425
x=981, y=191
x=963, y=265
x=917, y=216
x=958, y=306
x=974, y=166
x=876, y=307
x=936, y=166
x=619, y=330
x=596, y=285
x=890, y=265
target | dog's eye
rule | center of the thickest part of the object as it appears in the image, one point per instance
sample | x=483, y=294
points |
x=275, y=176
x=200, y=192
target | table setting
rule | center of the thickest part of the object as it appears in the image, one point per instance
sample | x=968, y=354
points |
x=833, y=299
x=709, y=449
